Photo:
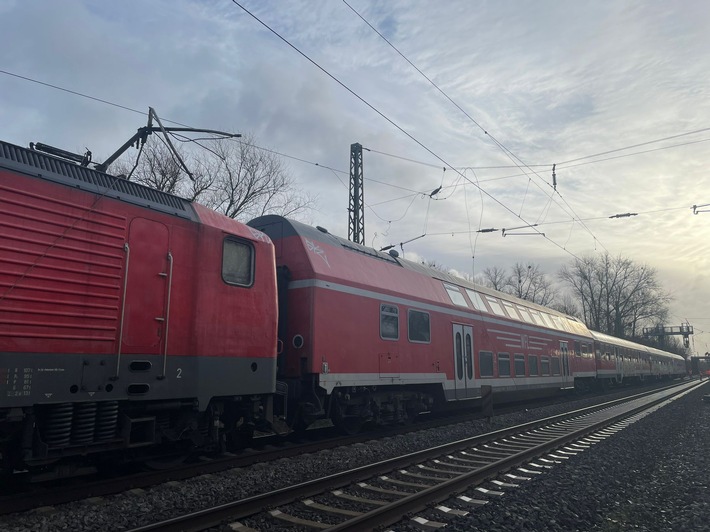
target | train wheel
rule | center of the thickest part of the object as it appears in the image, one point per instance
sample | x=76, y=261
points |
x=241, y=438
x=347, y=419
x=349, y=424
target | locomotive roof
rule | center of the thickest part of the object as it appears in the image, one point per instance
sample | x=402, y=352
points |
x=44, y=166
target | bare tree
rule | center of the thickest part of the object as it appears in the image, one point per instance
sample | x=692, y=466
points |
x=495, y=278
x=528, y=282
x=250, y=182
x=617, y=296
x=233, y=177
x=567, y=305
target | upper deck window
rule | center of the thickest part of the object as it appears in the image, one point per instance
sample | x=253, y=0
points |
x=548, y=320
x=237, y=262
x=455, y=295
x=476, y=300
x=511, y=309
x=495, y=306
x=525, y=314
x=537, y=318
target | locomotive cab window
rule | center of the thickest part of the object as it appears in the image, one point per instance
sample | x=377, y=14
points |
x=419, y=329
x=389, y=322
x=237, y=262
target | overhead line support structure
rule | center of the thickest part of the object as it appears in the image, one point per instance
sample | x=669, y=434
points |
x=356, y=209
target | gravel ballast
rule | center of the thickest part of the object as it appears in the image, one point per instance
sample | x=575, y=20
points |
x=651, y=476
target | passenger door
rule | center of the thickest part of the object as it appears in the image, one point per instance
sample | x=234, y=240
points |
x=567, y=378
x=463, y=361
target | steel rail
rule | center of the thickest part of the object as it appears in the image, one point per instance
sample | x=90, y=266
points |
x=212, y=517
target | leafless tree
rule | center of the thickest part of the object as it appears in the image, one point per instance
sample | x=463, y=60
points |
x=528, y=282
x=233, y=177
x=495, y=278
x=567, y=305
x=616, y=295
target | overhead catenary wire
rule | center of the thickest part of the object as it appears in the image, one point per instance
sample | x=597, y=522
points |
x=514, y=158
x=382, y=115
x=414, y=192
x=560, y=222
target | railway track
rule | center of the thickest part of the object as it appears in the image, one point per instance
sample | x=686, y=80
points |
x=19, y=497
x=383, y=493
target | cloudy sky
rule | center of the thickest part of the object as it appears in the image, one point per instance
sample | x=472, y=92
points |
x=616, y=94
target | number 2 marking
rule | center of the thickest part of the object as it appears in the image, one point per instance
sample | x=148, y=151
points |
x=179, y=371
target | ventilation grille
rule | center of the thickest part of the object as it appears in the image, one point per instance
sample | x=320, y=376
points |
x=47, y=167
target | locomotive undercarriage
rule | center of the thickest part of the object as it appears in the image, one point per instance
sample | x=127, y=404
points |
x=67, y=435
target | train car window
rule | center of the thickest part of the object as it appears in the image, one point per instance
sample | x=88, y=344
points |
x=503, y=364
x=455, y=295
x=525, y=314
x=237, y=262
x=548, y=320
x=389, y=322
x=532, y=363
x=536, y=317
x=485, y=363
x=476, y=300
x=469, y=357
x=558, y=323
x=511, y=310
x=577, y=349
x=495, y=306
x=519, y=365
x=555, y=365
x=585, y=350
x=545, y=363
x=419, y=330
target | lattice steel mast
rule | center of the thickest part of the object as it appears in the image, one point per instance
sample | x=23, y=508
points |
x=356, y=210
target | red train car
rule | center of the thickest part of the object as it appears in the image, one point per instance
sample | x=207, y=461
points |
x=128, y=317
x=369, y=336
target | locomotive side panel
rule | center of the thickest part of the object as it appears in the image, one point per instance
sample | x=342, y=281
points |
x=126, y=319
x=62, y=266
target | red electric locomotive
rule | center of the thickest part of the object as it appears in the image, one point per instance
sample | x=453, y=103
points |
x=128, y=317
x=368, y=336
